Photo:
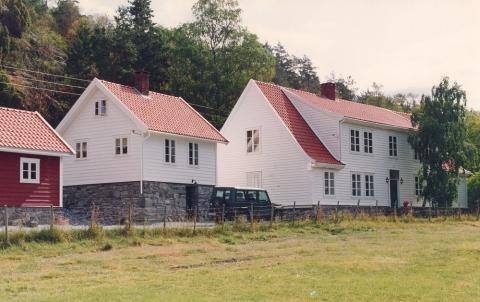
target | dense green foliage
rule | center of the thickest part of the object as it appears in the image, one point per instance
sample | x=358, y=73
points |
x=440, y=141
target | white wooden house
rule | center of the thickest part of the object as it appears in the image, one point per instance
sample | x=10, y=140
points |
x=133, y=145
x=307, y=148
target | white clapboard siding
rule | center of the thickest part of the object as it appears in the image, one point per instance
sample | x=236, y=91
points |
x=157, y=169
x=281, y=161
x=101, y=164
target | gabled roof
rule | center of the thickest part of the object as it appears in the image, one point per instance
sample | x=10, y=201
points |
x=299, y=128
x=358, y=111
x=164, y=113
x=27, y=130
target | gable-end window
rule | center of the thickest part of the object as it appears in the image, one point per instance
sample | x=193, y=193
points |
x=81, y=150
x=193, y=154
x=253, y=140
x=254, y=179
x=355, y=140
x=368, y=142
x=329, y=180
x=369, y=190
x=418, y=188
x=121, y=146
x=29, y=170
x=169, y=151
x=356, y=185
x=392, y=145
x=101, y=107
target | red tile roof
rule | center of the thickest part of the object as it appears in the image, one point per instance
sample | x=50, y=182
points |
x=358, y=111
x=165, y=113
x=299, y=128
x=21, y=129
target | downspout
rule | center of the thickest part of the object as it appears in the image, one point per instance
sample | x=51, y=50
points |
x=145, y=137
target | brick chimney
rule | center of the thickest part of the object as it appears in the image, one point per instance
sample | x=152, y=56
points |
x=328, y=90
x=142, y=82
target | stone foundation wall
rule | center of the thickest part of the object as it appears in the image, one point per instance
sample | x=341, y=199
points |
x=113, y=201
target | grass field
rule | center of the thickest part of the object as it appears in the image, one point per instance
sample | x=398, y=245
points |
x=350, y=261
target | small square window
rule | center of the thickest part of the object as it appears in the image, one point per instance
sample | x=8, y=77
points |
x=81, y=150
x=29, y=170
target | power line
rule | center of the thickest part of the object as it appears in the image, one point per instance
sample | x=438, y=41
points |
x=44, y=73
x=38, y=88
x=55, y=83
x=206, y=107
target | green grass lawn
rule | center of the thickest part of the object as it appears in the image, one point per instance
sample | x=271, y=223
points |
x=362, y=261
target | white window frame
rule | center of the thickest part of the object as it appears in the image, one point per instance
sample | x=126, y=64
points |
x=254, y=179
x=418, y=186
x=170, y=151
x=255, y=147
x=369, y=185
x=329, y=183
x=121, y=145
x=355, y=140
x=368, y=142
x=393, y=146
x=81, y=150
x=356, y=184
x=101, y=108
x=29, y=179
x=193, y=154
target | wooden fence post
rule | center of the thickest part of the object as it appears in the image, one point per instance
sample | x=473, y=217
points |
x=251, y=216
x=336, y=210
x=165, y=217
x=430, y=211
x=293, y=214
x=223, y=215
x=376, y=208
x=478, y=209
x=5, y=208
x=52, y=218
x=195, y=212
x=272, y=214
x=356, y=209
x=318, y=218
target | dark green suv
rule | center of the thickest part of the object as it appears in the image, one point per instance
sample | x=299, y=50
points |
x=236, y=201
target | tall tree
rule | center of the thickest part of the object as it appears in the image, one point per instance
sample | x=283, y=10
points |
x=66, y=15
x=439, y=139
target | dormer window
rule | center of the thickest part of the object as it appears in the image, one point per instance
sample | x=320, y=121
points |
x=101, y=107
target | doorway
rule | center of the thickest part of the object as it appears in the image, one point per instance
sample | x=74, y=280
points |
x=394, y=179
x=191, y=200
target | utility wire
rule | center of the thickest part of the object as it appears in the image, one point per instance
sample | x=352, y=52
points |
x=38, y=88
x=44, y=73
x=42, y=81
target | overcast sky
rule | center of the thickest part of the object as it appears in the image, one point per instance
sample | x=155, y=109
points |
x=405, y=45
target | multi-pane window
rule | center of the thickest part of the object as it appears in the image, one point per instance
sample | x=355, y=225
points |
x=254, y=179
x=81, y=150
x=29, y=170
x=355, y=140
x=392, y=145
x=169, y=151
x=356, y=185
x=368, y=142
x=417, y=155
x=121, y=146
x=418, y=188
x=193, y=154
x=253, y=141
x=101, y=107
x=329, y=178
x=369, y=190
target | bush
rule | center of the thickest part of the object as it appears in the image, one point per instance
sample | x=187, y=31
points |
x=54, y=235
x=474, y=191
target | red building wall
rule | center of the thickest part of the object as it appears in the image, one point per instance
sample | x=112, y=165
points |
x=14, y=193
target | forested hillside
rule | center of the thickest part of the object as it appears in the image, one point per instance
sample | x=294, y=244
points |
x=49, y=53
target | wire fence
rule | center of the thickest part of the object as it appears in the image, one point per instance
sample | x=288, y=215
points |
x=175, y=216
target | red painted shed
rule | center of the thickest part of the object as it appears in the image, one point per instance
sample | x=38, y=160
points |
x=31, y=155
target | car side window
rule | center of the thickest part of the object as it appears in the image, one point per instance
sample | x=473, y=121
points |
x=262, y=196
x=227, y=195
x=252, y=196
x=240, y=196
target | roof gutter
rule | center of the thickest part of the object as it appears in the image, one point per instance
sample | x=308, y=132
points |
x=35, y=152
x=187, y=136
x=327, y=166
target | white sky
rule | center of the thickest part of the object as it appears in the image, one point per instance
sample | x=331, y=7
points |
x=405, y=45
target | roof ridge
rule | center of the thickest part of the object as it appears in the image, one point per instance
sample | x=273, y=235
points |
x=17, y=110
x=132, y=87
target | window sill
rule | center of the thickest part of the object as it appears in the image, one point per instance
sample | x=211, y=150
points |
x=25, y=181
